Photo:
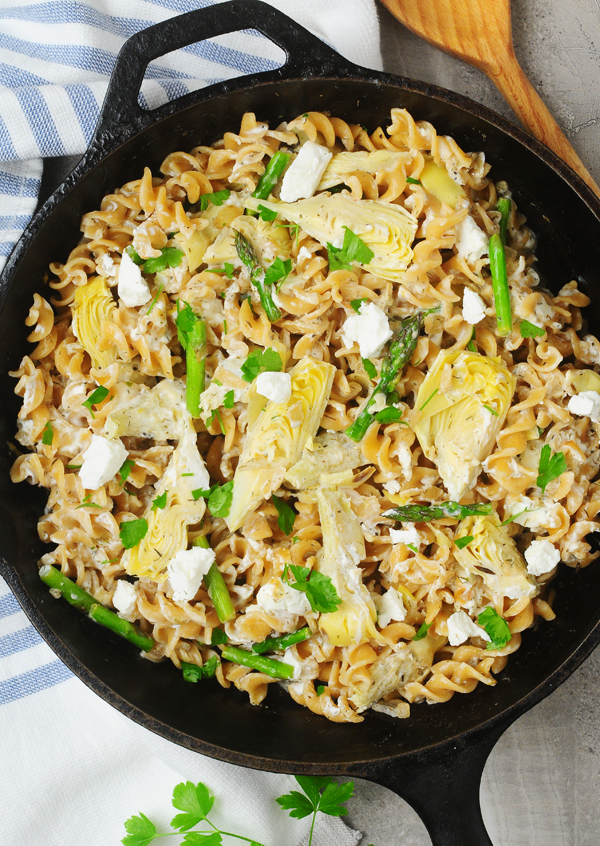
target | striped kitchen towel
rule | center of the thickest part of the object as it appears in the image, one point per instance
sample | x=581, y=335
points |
x=56, y=57
x=72, y=769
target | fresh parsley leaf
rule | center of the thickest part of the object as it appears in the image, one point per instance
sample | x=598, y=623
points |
x=74, y=466
x=278, y=272
x=217, y=637
x=471, y=347
x=194, y=673
x=266, y=214
x=185, y=322
x=286, y=513
x=228, y=270
x=390, y=414
x=48, y=434
x=160, y=501
x=550, y=467
x=169, y=257
x=320, y=689
x=413, y=547
x=491, y=410
x=228, y=399
x=530, y=330
x=422, y=631
x=370, y=368
x=219, y=500
x=464, y=541
x=319, y=794
x=126, y=469
x=217, y=198
x=495, y=626
x=194, y=800
x=211, y=420
x=133, y=255
x=356, y=304
x=260, y=360
x=87, y=504
x=141, y=831
x=319, y=589
x=352, y=250
x=204, y=494
x=95, y=398
x=132, y=532
x=156, y=296
x=412, y=181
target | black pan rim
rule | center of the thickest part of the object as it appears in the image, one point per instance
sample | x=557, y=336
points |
x=94, y=157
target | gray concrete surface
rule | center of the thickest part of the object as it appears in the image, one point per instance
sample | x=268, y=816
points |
x=541, y=786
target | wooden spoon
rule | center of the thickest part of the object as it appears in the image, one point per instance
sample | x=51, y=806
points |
x=479, y=32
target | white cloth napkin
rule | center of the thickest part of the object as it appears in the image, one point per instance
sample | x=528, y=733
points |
x=72, y=769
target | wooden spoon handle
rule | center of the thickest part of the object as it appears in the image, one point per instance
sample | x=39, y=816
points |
x=531, y=110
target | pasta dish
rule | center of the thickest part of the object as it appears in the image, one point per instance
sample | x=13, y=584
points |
x=307, y=416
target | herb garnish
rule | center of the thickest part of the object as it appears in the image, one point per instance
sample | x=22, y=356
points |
x=530, y=330
x=319, y=589
x=495, y=626
x=551, y=467
x=260, y=360
x=422, y=631
x=278, y=272
x=126, y=469
x=352, y=250
x=464, y=541
x=219, y=499
x=266, y=214
x=95, y=398
x=132, y=532
x=87, y=504
x=48, y=434
x=159, y=501
x=217, y=198
x=286, y=513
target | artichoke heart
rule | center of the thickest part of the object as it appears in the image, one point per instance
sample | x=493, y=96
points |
x=330, y=452
x=386, y=228
x=343, y=550
x=92, y=306
x=493, y=555
x=345, y=163
x=161, y=413
x=462, y=405
x=276, y=438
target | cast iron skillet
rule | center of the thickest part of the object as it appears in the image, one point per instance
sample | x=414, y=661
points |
x=435, y=759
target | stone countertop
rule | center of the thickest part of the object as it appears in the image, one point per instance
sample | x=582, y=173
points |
x=541, y=785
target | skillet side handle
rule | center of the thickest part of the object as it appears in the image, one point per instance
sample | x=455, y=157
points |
x=443, y=787
x=122, y=117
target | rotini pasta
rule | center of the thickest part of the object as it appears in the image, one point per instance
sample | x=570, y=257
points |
x=339, y=473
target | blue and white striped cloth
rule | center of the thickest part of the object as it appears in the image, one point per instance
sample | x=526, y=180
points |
x=67, y=757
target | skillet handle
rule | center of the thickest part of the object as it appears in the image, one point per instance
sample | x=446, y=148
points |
x=122, y=117
x=442, y=785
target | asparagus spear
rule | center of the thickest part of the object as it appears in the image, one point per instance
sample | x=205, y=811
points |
x=273, y=643
x=399, y=353
x=276, y=669
x=426, y=513
x=257, y=275
x=500, y=286
x=191, y=331
x=504, y=206
x=80, y=598
x=217, y=589
x=270, y=177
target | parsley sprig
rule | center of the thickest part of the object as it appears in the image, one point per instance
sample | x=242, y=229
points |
x=169, y=257
x=286, y=515
x=217, y=198
x=320, y=794
x=95, y=398
x=260, y=360
x=550, y=467
x=352, y=250
x=319, y=589
x=495, y=626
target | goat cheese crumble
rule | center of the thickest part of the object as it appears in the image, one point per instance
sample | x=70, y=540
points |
x=461, y=627
x=473, y=307
x=101, y=460
x=542, y=557
x=389, y=607
x=276, y=387
x=131, y=286
x=302, y=178
x=186, y=571
x=370, y=329
x=586, y=404
x=124, y=598
x=471, y=241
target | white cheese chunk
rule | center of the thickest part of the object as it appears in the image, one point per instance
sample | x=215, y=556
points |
x=276, y=597
x=125, y=598
x=105, y=265
x=304, y=254
x=461, y=627
x=389, y=607
x=473, y=307
x=302, y=178
x=406, y=536
x=186, y=571
x=392, y=487
x=471, y=241
x=542, y=557
x=276, y=387
x=101, y=460
x=586, y=404
x=132, y=287
x=532, y=514
x=370, y=329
